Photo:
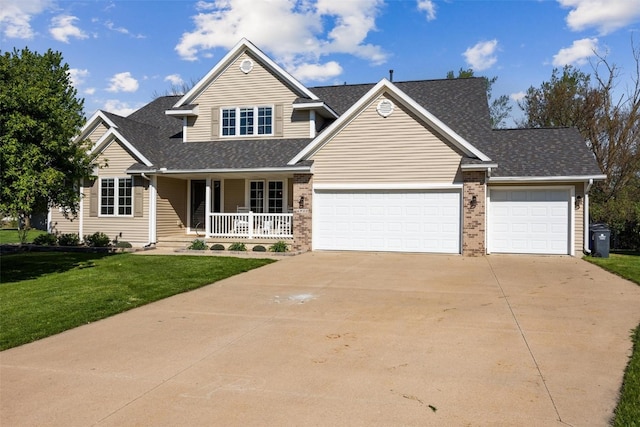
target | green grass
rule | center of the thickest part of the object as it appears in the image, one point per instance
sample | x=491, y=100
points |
x=627, y=412
x=45, y=293
x=11, y=236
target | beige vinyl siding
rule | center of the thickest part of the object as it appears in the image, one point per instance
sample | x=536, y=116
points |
x=118, y=160
x=61, y=225
x=134, y=230
x=399, y=148
x=233, y=194
x=233, y=88
x=97, y=133
x=171, y=206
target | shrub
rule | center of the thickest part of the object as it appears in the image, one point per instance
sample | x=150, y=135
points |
x=217, y=247
x=123, y=244
x=197, y=245
x=279, y=246
x=69, y=239
x=97, y=240
x=259, y=248
x=237, y=247
x=47, y=239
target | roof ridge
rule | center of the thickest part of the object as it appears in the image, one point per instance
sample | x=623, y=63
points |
x=395, y=82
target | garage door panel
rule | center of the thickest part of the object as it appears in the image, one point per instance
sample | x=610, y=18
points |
x=529, y=221
x=413, y=221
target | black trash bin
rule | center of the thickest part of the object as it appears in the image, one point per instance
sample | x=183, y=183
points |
x=599, y=239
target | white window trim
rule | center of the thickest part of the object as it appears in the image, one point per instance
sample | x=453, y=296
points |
x=116, y=197
x=255, y=133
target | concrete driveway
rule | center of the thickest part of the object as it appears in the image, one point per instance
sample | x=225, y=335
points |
x=345, y=339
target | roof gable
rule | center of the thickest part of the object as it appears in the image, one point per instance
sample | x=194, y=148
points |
x=370, y=96
x=243, y=46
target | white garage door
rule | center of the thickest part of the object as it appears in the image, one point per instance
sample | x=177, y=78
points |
x=397, y=221
x=529, y=221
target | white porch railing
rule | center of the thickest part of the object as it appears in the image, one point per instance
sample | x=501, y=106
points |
x=251, y=225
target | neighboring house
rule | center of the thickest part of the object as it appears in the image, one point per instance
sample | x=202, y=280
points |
x=250, y=154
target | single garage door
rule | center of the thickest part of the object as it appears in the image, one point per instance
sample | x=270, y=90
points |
x=529, y=221
x=396, y=221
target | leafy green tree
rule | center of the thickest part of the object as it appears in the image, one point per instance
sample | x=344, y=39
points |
x=499, y=108
x=609, y=121
x=40, y=114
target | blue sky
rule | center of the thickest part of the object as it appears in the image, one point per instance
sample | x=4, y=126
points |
x=122, y=52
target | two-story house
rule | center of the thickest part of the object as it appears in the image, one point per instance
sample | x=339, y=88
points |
x=251, y=155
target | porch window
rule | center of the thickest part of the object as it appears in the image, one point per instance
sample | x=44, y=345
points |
x=256, y=196
x=116, y=196
x=250, y=121
x=266, y=198
x=276, y=192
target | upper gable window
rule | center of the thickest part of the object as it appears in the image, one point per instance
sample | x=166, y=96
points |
x=242, y=121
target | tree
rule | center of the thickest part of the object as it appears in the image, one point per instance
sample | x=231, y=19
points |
x=499, y=108
x=40, y=162
x=609, y=121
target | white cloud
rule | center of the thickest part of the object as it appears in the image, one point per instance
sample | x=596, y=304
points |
x=62, y=28
x=174, y=79
x=518, y=96
x=89, y=91
x=15, y=17
x=482, y=55
x=111, y=26
x=317, y=72
x=78, y=76
x=123, y=82
x=578, y=54
x=119, y=107
x=429, y=7
x=297, y=33
x=607, y=16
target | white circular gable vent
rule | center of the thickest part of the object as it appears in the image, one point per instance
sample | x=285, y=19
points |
x=385, y=108
x=246, y=66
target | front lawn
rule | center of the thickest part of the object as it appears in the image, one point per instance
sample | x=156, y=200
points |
x=11, y=236
x=45, y=293
x=627, y=413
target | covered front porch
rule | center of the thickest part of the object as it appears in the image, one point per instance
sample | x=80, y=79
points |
x=252, y=209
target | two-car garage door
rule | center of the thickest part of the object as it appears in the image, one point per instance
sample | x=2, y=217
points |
x=387, y=220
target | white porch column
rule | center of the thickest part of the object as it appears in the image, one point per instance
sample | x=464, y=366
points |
x=207, y=209
x=153, y=198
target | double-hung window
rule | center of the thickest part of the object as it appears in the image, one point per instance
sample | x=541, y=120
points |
x=116, y=196
x=271, y=200
x=244, y=121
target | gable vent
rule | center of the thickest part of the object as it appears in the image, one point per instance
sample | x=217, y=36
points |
x=385, y=108
x=246, y=66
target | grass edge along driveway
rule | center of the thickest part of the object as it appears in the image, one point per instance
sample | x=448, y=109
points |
x=45, y=293
x=627, y=413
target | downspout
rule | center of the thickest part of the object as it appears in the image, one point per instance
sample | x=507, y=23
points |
x=81, y=210
x=152, y=210
x=586, y=216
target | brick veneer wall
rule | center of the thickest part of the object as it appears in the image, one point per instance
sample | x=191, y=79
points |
x=302, y=187
x=473, y=220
